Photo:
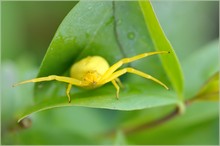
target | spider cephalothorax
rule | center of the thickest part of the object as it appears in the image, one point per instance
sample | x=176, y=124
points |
x=94, y=71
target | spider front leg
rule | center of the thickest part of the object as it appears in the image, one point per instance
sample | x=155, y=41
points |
x=53, y=77
x=68, y=92
x=134, y=71
x=69, y=80
x=119, y=82
x=118, y=64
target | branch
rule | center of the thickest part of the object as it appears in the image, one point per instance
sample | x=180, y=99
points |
x=152, y=124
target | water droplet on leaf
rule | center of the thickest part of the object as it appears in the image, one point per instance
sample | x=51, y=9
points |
x=131, y=35
x=119, y=21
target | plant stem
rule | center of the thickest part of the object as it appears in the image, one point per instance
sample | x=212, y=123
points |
x=152, y=124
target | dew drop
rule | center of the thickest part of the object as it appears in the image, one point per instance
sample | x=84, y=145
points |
x=131, y=35
x=119, y=21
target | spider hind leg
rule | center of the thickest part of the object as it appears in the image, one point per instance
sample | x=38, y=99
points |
x=117, y=88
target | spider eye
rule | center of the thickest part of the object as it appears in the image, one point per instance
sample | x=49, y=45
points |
x=91, y=77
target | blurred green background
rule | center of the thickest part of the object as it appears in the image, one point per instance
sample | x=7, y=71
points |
x=27, y=29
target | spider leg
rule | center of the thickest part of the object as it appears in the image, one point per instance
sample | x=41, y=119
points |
x=71, y=82
x=119, y=82
x=118, y=64
x=117, y=88
x=134, y=71
x=68, y=92
x=54, y=77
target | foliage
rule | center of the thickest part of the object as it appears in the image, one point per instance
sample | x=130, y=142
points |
x=116, y=30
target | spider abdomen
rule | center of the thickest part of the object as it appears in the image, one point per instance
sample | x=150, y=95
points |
x=89, y=68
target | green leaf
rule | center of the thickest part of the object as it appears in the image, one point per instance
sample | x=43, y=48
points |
x=170, y=62
x=102, y=28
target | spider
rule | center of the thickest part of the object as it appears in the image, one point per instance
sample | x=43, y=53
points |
x=94, y=71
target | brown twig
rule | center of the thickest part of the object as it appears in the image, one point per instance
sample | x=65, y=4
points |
x=152, y=124
x=146, y=125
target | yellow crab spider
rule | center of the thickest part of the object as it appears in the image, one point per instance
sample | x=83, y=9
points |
x=94, y=71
